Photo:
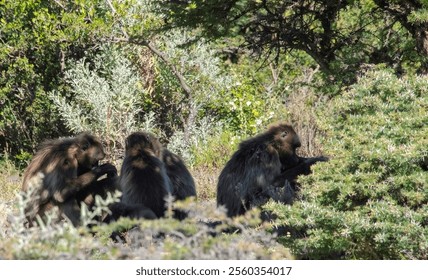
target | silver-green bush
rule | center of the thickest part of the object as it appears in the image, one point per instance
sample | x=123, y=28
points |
x=107, y=98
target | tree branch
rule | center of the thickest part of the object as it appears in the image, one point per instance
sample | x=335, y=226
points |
x=174, y=69
x=156, y=51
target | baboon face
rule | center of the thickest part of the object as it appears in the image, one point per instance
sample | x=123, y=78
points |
x=138, y=141
x=62, y=164
x=286, y=141
x=69, y=162
x=90, y=151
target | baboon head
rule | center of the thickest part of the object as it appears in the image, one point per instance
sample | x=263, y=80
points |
x=285, y=141
x=90, y=151
x=139, y=141
x=68, y=163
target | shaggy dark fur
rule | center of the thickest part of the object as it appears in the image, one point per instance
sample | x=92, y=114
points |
x=260, y=166
x=69, y=166
x=143, y=179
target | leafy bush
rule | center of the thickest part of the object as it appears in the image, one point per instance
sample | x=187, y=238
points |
x=370, y=200
x=106, y=98
x=177, y=108
x=243, y=107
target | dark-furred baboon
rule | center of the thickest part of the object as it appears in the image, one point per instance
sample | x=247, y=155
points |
x=183, y=185
x=69, y=167
x=181, y=180
x=143, y=177
x=93, y=152
x=263, y=162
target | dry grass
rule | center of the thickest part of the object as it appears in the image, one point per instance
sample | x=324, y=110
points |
x=10, y=183
x=206, y=182
x=301, y=105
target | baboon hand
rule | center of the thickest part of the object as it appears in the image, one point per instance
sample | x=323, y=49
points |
x=106, y=168
x=322, y=158
x=310, y=161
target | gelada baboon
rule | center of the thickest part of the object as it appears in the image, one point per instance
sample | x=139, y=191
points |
x=93, y=152
x=69, y=167
x=183, y=185
x=260, y=163
x=143, y=178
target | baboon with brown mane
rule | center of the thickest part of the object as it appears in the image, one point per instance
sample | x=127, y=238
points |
x=93, y=152
x=70, y=173
x=143, y=177
x=263, y=162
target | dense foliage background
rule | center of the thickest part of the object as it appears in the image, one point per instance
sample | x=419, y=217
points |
x=203, y=75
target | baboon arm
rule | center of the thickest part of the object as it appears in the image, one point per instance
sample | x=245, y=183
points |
x=304, y=168
x=73, y=186
x=292, y=173
x=101, y=187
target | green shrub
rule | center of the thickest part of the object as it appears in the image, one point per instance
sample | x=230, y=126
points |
x=216, y=150
x=244, y=107
x=37, y=38
x=370, y=200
